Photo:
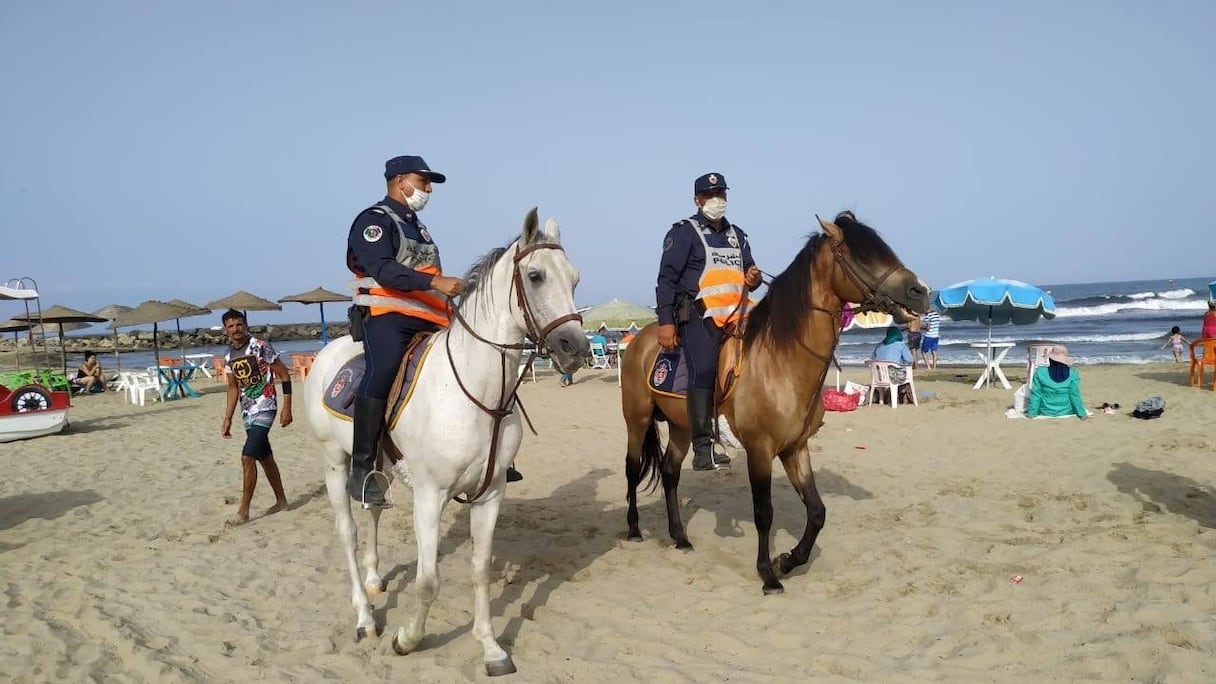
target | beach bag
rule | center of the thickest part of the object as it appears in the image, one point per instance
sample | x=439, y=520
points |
x=1020, y=396
x=836, y=400
x=1150, y=408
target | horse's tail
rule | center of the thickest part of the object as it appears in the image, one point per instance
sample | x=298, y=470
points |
x=652, y=456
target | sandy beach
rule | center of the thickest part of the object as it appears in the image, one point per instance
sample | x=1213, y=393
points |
x=118, y=566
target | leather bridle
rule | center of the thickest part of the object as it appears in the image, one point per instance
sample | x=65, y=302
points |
x=535, y=332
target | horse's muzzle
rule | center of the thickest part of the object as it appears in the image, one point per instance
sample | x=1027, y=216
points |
x=568, y=347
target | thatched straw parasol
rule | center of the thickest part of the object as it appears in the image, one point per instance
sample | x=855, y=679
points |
x=154, y=312
x=318, y=296
x=244, y=302
x=60, y=315
x=618, y=315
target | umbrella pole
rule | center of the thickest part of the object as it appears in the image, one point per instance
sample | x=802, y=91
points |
x=155, y=345
x=17, y=349
x=63, y=352
x=117, y=358
x=986, y=371
x=181, y=341
x=324, y=330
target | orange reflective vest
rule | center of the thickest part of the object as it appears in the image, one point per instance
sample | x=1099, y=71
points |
x=429, y=305
x=722, y=286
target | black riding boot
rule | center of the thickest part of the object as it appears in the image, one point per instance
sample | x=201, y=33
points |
x=369, y=421
x=700, y=420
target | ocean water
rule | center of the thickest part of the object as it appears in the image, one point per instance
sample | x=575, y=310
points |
x=1118, y=322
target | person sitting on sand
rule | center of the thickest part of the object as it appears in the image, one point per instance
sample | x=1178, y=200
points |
x=1055, y=389
x=89, y=377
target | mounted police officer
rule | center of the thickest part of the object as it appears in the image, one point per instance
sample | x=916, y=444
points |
x=705, y=274
x=400, y=292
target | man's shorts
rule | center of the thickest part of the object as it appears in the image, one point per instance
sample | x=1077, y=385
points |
x=257, y=442
x=928, y=344
x=914, y=338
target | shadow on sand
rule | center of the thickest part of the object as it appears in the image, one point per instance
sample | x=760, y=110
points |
x=17, y=509
x=1156, y=489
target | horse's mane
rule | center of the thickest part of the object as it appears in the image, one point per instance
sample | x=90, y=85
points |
x=782, y=316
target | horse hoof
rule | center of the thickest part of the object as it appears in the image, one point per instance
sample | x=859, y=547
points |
x=502, y=667
x=363, y=632
x=374, y=590
x=784, y=563
x=773, y=588
x=397, y=648
x=634, y=537
x=684, y=545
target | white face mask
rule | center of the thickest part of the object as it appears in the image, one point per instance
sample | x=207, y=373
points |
x=418, y=200
x=714, y=208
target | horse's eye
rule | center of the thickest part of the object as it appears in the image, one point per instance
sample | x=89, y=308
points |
x=536, y=277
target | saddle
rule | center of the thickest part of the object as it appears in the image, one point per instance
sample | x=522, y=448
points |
x=669, y=373
x=340, y=394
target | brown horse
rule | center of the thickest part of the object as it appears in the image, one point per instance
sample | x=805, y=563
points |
x=775, y=405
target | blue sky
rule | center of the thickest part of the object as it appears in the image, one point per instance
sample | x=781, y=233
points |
x=192, y=149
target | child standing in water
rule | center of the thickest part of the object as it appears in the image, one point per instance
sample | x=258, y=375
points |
x=1177, y=340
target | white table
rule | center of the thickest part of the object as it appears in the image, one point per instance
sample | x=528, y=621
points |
x=199, y=361
x=992, y=362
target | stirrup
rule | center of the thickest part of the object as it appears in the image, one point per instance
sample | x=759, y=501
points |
x=388, y=503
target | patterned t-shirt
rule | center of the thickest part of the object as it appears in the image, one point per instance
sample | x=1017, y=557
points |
x=932, y=322
x=255, y=381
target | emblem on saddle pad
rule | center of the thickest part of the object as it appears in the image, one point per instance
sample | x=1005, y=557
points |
x=344, y=377
x=661, y=369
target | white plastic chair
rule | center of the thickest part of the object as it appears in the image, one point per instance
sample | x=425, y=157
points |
x=1036, y=355
x=880, y=376
x=599, y=355
x=140, y=384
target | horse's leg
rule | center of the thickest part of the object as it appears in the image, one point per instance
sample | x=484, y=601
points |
x=760, y=474
x=797, y=464
x=428, y=506
x=339, y=500
x=372, y=583
x=678, y=442
x=482, y=519
x=639, y=433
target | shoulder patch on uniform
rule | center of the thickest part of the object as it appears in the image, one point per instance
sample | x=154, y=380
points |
x=668, y=243
x=373, y=233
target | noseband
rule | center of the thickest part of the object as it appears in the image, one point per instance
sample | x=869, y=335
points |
x=511, y=398
x=872, y=300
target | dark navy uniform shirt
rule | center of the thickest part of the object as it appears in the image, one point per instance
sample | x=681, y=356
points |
x=684, y=259
x=374, y=252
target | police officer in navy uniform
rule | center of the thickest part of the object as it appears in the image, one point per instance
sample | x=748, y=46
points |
x=705, y=274
x=400, y=293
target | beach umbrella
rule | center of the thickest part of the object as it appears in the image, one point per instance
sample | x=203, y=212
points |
x=617, y=315
x=191, y=311
x=110, y=313
x=1212, y=291
x=318, y=296
x=244, y=302
x=15, y=327
x=151, y=312
x=995, y=301
x=61, y=315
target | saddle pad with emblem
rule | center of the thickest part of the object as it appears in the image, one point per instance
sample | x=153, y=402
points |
x=669, y=374
x=341, y=392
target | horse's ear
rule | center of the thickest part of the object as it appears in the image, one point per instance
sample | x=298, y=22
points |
x=830, y=229
x=552, y=230
x=531, y=228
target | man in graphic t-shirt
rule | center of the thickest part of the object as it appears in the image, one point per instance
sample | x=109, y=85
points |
x=252, y=366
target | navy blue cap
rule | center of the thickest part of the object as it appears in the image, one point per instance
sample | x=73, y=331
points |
x=402, y=165
x=710, y=181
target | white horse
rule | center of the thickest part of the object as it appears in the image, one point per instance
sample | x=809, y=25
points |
x=525, y=289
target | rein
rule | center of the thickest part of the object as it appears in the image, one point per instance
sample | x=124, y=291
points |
x=505, y=405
